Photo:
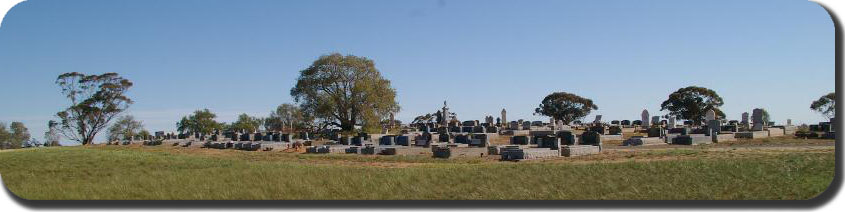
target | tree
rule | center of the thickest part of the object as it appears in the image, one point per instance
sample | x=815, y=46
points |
x=345, y=91
x=15, y=138
x=286, y=116
x=125, y=128
x=144, y=134
x=5, y=136
x=51, y=136
x=826, y=105
x=202, y=121
x=246, y=123
x=565, y=106
x=95, y=101
x=692, y=103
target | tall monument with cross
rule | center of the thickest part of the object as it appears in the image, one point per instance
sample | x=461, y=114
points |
x=445, y=113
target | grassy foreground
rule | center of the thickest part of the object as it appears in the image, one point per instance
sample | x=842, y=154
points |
x=166, y=173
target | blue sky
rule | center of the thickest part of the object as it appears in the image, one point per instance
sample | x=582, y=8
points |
x=481, y=56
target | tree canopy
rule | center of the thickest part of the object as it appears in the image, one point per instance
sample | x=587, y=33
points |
x=201, y=121
x=345, y=91
x=565, y=106
x=826, y=105
x=246, y=123
x=286, y=116
x=94, y=101
x=14, y=137
x=692, y=103
x=52, y=136
x=5, y=136
x=125, y=128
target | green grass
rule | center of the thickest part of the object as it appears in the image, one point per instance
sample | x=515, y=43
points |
x=127, y=173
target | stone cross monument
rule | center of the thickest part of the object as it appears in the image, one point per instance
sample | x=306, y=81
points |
x=445, y=118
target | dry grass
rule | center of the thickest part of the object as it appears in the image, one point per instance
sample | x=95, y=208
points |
x=163, y=172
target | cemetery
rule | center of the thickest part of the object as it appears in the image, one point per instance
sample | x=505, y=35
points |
x=496, y=137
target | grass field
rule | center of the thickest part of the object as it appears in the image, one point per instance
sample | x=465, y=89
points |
x=120, y=172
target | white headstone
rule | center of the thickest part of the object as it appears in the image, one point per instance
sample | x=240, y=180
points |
x=671, y=121
x=645, y=118
x=710, y=115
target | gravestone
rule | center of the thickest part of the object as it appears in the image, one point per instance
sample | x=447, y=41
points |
x=614, y=130
x=644, y=121
x=745, y=123
x=403, y=140
x=462, y=138
x=789, y=122
x=514, y=125
x=598, y=120
x=493, y=129
x=357, y=141
x=444, y=137
x=345, y=140
x=598, y=128
x=655, y=132
x=710, y=115
x=504, y=116
x=713, y=128
x=567, y=137
x=832, y=127
x=655, y=120
x=590, y=138
x=757, y=118
x=671, y=122
x=520, y=140
x=445, y=114
x=441, y=152
x=388, y=140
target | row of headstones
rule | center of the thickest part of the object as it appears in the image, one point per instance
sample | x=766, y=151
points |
x=276, y=137
x=823, y=127
x=471, y=139
x=562, y=137
x=524, y=125
x=362, y=140
x=248, y=146
x=474, y=129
